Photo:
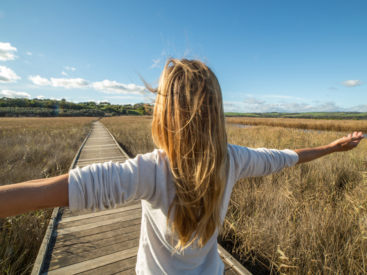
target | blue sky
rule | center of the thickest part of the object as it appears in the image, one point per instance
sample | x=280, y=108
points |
x=289, y=56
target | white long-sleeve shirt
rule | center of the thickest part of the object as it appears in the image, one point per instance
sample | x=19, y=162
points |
x=148, y=178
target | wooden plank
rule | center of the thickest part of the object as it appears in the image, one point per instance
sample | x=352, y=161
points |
x=122, y=151
x=106, y=138
x=58, y=263
x=66, y=212
x=126, y=272
x=230, y=272
x=99, y=149
x=97, y=219
x=94, y=231
x=97, y=214
x=127, y=265
x=112, y=144
x=121, y=156
x=94, y=263
x=94, y=225
x=100, y=160
x=88, y=246
x=63, y=245
x=240, y=269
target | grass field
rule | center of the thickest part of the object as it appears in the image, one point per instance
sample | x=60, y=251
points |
x=311, y=115
x=307, y=124
x=308, y=219
x=33, y=148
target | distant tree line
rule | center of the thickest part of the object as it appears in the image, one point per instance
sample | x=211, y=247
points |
x=45, y=112
x=50, y=107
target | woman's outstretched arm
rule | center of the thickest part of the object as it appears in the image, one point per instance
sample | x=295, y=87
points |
x=341, y=145
x=33, y=195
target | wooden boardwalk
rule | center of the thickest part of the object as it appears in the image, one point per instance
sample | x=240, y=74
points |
x=104, y=242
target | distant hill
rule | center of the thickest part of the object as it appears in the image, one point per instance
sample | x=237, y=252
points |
x=315, y=115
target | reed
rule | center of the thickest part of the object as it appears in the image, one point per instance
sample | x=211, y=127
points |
x=308, y=124
x=33, y=148
x=307, y=219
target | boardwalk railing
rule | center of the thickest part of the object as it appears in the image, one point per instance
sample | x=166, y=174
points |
x=104, y=242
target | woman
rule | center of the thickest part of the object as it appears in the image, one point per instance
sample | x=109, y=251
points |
x=185, y=186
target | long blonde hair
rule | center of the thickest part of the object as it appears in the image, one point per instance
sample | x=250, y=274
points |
x=189, y=125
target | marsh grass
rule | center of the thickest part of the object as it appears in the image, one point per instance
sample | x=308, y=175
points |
x=307, y=124
x=307, y=219
x=33, y=148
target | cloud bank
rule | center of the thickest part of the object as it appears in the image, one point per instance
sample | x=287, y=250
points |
x=105, y=86
x=7, y=75
x=60, y=82
x=351, y=83
x=7, y=52
x=12, y=94
x=112, y=87
x=253, y=105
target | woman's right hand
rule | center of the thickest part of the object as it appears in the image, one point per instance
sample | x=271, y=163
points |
x=347, y=143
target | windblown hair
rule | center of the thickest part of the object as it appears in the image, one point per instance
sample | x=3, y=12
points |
x=189, y=125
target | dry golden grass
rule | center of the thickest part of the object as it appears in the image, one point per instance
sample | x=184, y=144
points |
x=310, y=124
x=308, y=219
x=33, y=148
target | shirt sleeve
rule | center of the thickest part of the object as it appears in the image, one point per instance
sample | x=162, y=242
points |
x=260, y=162
x=103, y=186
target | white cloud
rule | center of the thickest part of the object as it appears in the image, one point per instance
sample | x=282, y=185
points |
x=41, y=54
x=39, y=80
x=351, y=83
x=26, y=61
x=112, y=87
x=60, y=82
x=70, y=68
x=98, y=101
x=7, y=75
x=122, y=97
x=64, y=73
x=40, y=97
x=12, y=94
x=29, y=53
x=7, y=52
x=253, y=100
x=69, y=82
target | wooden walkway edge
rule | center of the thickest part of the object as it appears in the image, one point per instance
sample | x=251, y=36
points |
x=104, y=242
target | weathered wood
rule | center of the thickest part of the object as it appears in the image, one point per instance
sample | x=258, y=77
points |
x=231, y=271
x=56, y=263
x=94, y=225
x=94, y=263
x=97, y=214
x=88, y=245
x=240, y=269
x=126, y=266
x=98, y=219
x=97, y=230
x=69, y=213
x=64, y=245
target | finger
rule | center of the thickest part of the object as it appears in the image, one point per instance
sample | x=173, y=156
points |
x=355, y=133
x=350, y=135
x=360, y=134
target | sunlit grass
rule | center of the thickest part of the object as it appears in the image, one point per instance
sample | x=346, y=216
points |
x=298, y=123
